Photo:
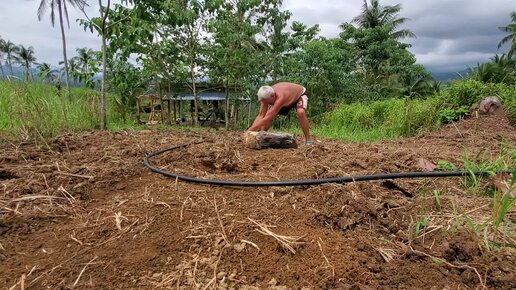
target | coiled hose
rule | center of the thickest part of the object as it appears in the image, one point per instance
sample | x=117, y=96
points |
x=302, y=182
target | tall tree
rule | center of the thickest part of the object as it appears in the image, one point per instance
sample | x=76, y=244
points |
x=86, y=61
x=9, y=49
x=373, y=15
x=25, y=57
x=104, y=26
x=46, y=72
x=511, y=29
x=85, y=57
x=2, y=44
x=386, y=63
x=239, y=56
x=187, y=35
x=62, y=11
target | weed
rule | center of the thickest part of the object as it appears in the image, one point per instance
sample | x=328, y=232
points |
x=437, y=196
x=421, y=225
x=446, y=166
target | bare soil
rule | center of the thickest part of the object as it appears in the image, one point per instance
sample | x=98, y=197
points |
x=83, y=212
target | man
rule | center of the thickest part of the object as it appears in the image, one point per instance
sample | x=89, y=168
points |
x=280, y=99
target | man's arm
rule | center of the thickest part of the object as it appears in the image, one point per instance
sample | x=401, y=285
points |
x=261, y=113
x=263, y=122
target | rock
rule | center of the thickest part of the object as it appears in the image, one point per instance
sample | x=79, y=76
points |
x=489, y=105
x=425, y=164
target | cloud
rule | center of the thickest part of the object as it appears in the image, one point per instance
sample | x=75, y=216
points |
x=21, y=26
x=451, y=34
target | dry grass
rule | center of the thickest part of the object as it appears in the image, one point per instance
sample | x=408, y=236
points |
x=288, y=242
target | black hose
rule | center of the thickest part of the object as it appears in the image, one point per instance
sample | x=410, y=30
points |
x=304, y=182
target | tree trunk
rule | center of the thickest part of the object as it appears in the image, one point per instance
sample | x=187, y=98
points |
x=10, y=63
x=65, y=59
x=226, y=106
x=194, y=89
x=26, y=71
x=2, y=69
x=262, y=139
x=103, y=105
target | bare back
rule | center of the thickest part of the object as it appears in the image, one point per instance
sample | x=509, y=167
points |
x=287, y=93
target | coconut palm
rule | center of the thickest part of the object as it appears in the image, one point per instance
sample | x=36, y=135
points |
x=25, y=57
x=62, y=10
x=85, y=57
x=500, y=69
x=374, y=15
x=2, y=43
x=9, y=49
x=46, y=72
x=73, y=70
x=511, y=29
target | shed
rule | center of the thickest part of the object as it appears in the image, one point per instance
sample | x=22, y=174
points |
x=211, y=104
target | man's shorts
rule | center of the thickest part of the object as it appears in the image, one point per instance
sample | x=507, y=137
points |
x=302, y=102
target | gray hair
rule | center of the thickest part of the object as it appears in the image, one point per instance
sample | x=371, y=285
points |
x=265, y=93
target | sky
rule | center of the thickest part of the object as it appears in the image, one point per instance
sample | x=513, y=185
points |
x=451, y=34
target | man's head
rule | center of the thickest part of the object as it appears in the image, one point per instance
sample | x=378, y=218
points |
x=266, y=94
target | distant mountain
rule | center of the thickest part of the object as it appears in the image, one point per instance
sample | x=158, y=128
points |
x=449, y=75
x=19, y=73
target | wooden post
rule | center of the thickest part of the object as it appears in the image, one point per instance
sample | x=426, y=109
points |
x=262, y=139
x=138, y=105
x=175, y=112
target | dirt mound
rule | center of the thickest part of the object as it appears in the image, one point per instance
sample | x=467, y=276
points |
x=83, y=212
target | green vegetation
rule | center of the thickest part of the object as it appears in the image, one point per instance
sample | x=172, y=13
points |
x=394, y=117
x=36, y=110
x=421, y=225
x=365, y=84
x=505, y=160
x=380, y=120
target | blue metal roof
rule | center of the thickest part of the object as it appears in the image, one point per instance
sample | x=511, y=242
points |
x=202, y=96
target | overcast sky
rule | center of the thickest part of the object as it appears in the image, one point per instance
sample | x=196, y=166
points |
x=451, y=34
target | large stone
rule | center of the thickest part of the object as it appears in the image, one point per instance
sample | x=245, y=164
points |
x=489, y=105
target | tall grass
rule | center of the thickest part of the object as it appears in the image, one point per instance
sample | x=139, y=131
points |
x=379, y=120
x=41, y=110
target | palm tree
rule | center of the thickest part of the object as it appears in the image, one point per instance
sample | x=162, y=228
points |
x=9, y=49
x=500, y=69
x=63, y=13
x=2, y=44
x=511, y=29
x=84, y=58
x=374, y=15
x=73, y=70
x=25, y=57
x=46, y=72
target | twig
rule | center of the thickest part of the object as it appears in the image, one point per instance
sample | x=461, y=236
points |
x=118, y=220
x=466, y=213
x=250, y=243
x=387, y=254
x=285, y=241
x=220, y=222
x=75, y=175
x=66, y=193
x=34, y=197
x=82, y=271
x=326, y=259
x=431, y=231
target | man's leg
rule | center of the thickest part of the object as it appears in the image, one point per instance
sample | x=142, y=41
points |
x=303, y=119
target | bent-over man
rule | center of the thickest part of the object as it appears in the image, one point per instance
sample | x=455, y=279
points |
x=280, y=99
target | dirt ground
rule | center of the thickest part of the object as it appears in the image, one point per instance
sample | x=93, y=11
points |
x=83, y=212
